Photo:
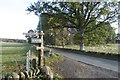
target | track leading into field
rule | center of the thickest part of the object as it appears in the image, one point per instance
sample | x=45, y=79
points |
x=99, y=62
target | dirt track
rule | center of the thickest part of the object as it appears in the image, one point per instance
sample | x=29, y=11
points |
x=99, y=62
x=69, y=68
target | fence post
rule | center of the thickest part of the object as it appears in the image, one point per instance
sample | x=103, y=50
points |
x=28, y=62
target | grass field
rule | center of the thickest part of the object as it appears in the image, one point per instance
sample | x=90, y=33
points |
x=109, y=48
x=12, y=55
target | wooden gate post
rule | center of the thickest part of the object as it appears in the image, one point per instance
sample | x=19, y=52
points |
x=40, y=49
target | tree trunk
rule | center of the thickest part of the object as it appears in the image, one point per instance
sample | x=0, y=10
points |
x=71, y=39
x=62, y=30
x=81, y=41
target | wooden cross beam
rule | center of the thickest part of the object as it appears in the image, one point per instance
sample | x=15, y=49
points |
x=39, y=48
x=33, y=33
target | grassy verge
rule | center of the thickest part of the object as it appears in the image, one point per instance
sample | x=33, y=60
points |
x=51, y=61
x=13, y=54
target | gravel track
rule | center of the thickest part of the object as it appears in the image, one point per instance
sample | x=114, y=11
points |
x=69, y=68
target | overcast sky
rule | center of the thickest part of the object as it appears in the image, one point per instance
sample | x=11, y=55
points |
x=14, y=19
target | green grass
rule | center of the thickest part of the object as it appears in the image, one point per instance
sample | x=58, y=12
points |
x=109, y=48
x=13, y=54
x=50, y=61
x=54, y=59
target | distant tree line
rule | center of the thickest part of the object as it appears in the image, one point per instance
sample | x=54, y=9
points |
x=12, y=40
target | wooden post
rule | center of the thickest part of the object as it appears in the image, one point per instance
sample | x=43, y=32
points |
x=41, y=52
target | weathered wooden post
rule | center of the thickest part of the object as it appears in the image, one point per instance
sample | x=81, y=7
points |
x=40, y=49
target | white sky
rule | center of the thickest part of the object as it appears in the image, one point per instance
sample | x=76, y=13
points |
x=14, y=19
